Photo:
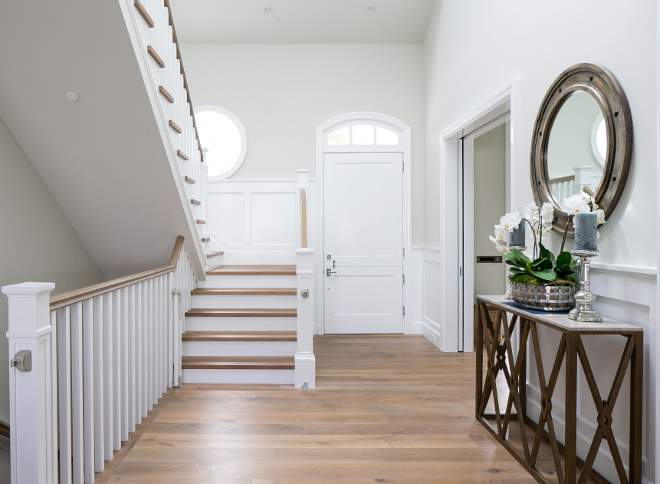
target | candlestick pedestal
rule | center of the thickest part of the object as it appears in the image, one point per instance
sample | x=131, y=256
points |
x=521, y=248
x=583, y=312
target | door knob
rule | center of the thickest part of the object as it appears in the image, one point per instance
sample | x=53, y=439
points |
x=330, y=271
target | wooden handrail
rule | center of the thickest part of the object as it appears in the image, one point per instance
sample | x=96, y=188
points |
x=562, y=179
x=175, y=39
x=303, y=219
x=96, y=290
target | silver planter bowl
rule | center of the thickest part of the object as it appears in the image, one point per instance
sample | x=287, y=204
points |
x=543, y=298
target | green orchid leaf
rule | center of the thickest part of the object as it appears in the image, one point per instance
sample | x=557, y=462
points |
x=545, y=274
x=541, y=264
x=546, y=254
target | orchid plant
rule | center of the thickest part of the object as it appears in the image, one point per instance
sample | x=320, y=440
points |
x=545, y=268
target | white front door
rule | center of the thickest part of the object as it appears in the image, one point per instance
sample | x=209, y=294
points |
x=363, y=243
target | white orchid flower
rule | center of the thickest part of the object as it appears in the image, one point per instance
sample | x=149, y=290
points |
x=503, y=249
x=547, y=212
x=494, y=240
x=500, y=232
x=531, y=212
x=600, y=215
x=510, y=221
x=585, y=196
x=575, y=204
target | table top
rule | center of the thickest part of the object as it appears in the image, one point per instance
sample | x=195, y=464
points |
x=560, y=321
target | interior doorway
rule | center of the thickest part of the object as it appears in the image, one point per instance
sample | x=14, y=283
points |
x=483, y=185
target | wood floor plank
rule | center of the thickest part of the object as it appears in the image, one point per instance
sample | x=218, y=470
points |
x=388, y=409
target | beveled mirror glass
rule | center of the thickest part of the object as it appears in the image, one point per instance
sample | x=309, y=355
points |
x=582, y=138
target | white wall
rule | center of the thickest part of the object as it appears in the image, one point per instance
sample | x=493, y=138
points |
x=474, y=49
x=281, y=93
x=38, y=243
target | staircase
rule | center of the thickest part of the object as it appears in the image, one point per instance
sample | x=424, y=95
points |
x=242, y=327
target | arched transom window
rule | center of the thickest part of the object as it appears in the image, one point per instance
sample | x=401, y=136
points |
x=363, y=134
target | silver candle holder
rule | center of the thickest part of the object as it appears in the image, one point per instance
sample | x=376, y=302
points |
x=521, y=248
x=583, y=312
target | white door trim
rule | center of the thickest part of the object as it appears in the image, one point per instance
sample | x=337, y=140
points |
x=406, y=149
x=508, y=99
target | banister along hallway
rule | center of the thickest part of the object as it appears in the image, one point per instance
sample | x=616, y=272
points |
x=339, y=246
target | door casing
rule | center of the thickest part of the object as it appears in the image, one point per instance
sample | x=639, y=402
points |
x=406, y=149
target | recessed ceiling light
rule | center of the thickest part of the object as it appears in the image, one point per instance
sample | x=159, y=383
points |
x=268, y=10
x=371, y=9
x=71, y=96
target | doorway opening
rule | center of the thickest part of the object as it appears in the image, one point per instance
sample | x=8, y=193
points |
x=483, y=187
x=363, y=180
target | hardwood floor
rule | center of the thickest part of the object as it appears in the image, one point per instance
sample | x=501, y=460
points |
x=389, y=409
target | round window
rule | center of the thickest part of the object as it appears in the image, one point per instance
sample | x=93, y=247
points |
x=223, y=136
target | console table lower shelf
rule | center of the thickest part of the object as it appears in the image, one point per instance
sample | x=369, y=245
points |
x=501, y=358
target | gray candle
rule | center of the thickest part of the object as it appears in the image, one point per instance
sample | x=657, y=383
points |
x=517, y=237
x=586, y=231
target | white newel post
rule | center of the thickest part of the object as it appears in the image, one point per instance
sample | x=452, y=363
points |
x=305, y=359
x=33, y=406
x=582, y=178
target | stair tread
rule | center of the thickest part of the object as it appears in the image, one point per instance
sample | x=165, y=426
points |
x=211, y=255
x=243, y=312
x=238, y=362
x=253, y=270
x=239, y=336
x=247, y=291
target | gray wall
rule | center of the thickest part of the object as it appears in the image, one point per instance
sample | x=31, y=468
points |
x=37, y=242
x=489, y=206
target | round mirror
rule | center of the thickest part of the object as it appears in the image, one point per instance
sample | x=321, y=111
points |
x=575, y=159
x=582, y=141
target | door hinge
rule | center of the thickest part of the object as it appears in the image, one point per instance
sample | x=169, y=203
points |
x=404, y=278
x=460, y=272
x=404, y=310
x=404, y=252
x=403, y=166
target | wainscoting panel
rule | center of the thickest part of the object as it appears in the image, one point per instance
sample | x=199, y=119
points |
x=625, y=294
x=255, y=221
x=427, y=312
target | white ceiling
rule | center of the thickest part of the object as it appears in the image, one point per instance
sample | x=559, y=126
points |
x=302, y=21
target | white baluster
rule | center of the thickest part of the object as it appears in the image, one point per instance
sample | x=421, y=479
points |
x=108, y=376
x=99, y=442
x=116, y=369
x=138, y=353
x=88, y=388
x=64, y=386
x=144, y=348
x=77, y=393
x=130, y=411
x=32, y=454
x=124, y=363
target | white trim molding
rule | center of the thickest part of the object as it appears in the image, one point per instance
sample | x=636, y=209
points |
x=508, y=100
x=405, y=147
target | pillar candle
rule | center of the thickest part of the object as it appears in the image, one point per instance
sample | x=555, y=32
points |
x=586, y=231
x=517, y=237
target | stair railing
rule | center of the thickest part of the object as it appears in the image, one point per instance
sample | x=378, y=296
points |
x=89, y=365
x=305, y=361
x=158, y=45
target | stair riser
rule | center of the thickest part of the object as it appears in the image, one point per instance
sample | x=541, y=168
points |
x=260, y=301
x=252, y=377
x=238, y=348
x=241, y=324
x=243, y=281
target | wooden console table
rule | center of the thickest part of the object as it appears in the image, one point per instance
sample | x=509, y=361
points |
x=500, y=356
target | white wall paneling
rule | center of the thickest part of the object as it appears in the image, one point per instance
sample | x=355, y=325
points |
x=626, y=294
x=254, y=221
